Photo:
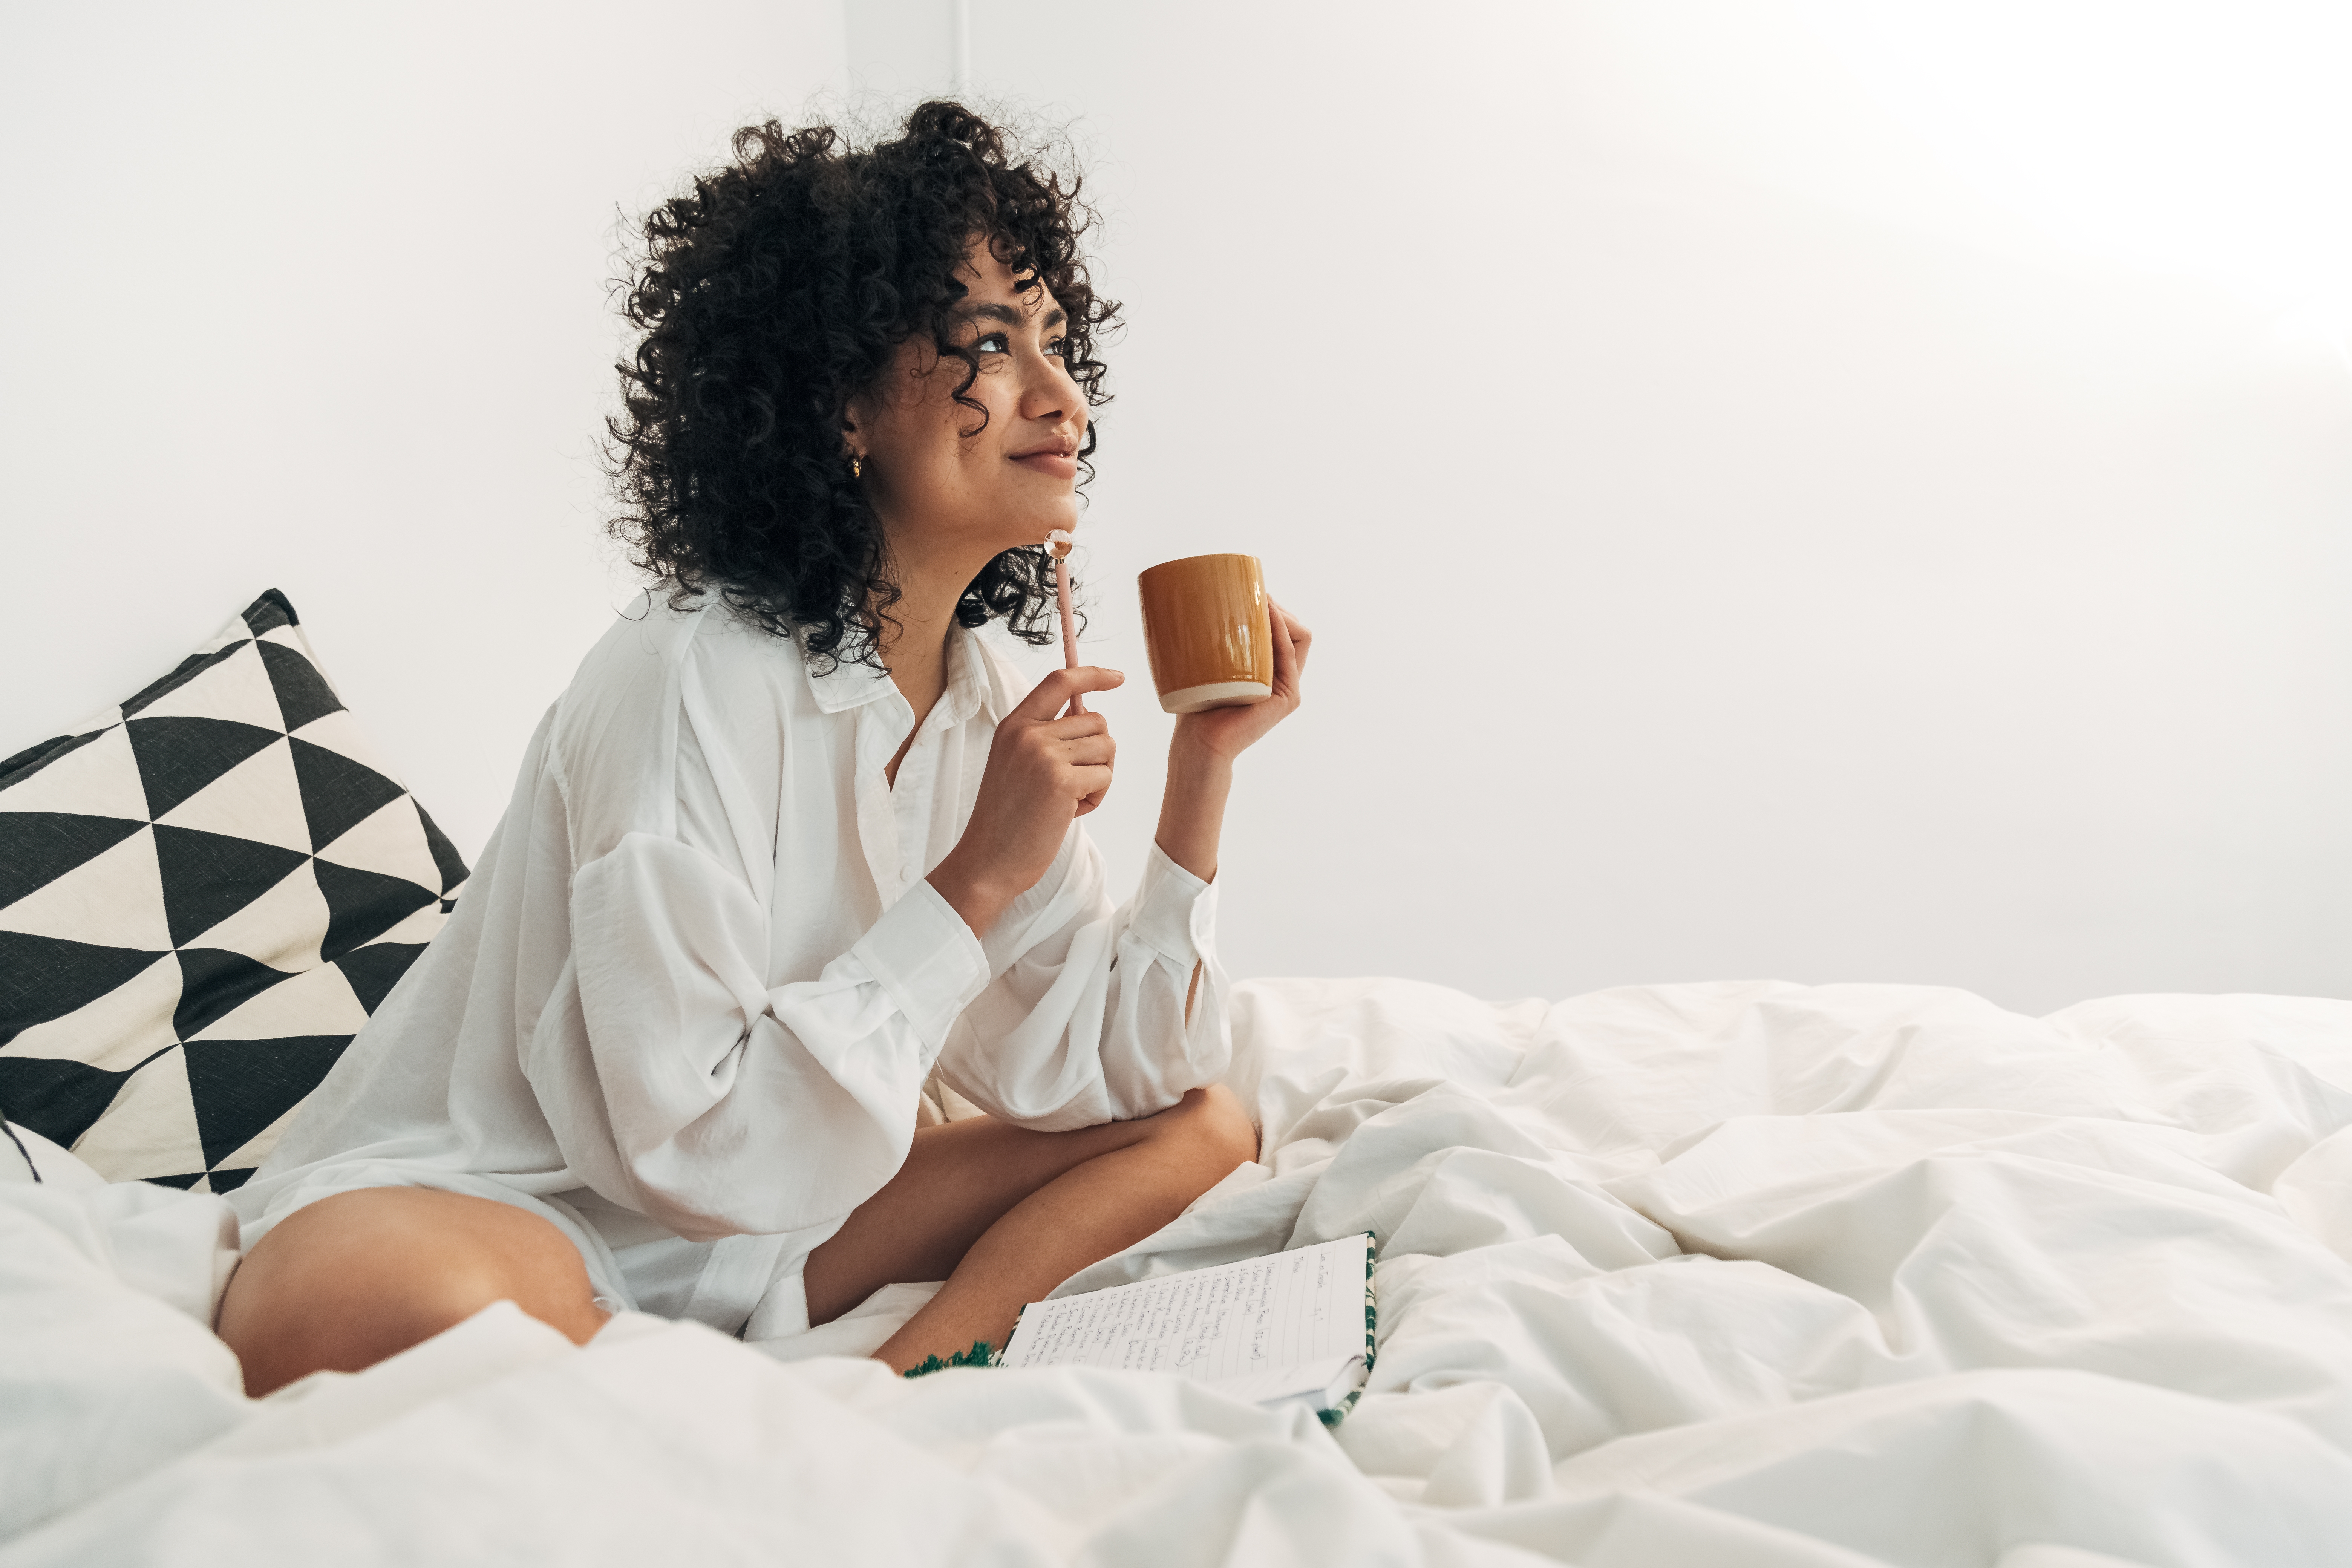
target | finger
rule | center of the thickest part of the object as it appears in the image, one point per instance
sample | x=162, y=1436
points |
x=1090, y=751
x=1289, y=658
x=1093, y=783
x=1291, y=624
x=1076, y=726
x=1053, y=694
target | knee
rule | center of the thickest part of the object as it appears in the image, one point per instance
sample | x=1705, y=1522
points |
x=1213, y=1129
x=343, y=1283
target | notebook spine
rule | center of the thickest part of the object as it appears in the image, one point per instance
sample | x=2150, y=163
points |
x=1333, y=1416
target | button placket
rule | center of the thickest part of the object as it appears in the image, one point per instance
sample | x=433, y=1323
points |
x=878, y=826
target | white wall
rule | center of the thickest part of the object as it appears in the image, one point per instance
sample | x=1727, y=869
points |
x=1738, y=546
x=313, y=297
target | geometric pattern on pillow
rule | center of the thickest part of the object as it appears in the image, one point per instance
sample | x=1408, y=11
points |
x=204, y=893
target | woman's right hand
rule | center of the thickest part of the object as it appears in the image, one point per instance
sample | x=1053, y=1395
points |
x=1044, y=773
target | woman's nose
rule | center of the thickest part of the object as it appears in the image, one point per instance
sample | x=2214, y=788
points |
x=1047, y=392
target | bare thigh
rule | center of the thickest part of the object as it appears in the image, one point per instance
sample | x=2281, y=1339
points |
x=340, y=1284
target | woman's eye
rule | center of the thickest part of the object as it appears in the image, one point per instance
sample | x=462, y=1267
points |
x=994, y=344
x=1058, y=347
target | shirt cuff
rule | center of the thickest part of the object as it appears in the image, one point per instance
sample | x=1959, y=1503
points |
x=1175, y=911
x=926, y=958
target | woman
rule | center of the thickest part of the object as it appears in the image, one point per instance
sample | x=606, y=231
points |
x=793, y=843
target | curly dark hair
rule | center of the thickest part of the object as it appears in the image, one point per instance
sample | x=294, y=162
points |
x=772, y=293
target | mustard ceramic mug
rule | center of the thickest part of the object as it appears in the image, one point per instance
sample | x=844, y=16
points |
x=1207, y=632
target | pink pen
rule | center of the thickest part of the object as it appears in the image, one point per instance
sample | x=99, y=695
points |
x=1059, y=544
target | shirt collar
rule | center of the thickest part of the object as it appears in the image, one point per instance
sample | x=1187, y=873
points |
x=972, y=684
x=969, y=688
x=848, y=684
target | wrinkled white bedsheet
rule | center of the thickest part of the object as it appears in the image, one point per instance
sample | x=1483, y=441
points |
x=1736, y=1274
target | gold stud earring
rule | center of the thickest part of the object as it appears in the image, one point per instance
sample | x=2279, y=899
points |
x=856, y=467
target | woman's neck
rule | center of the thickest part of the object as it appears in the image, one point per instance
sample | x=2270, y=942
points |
x=913, y=644
x=915, y=651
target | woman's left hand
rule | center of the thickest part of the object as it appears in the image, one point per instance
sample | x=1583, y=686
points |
x=1201, y=755
x=1224, y=734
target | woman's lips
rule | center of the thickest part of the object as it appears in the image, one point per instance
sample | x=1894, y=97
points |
x=1061, y=465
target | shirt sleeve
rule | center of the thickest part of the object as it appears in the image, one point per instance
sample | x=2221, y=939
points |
x=674, y=1080
x=1084, y=1018
x=694, y=1094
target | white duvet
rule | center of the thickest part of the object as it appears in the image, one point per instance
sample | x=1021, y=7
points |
x=1739, y=1274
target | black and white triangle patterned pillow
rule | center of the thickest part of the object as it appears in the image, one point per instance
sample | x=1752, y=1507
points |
x=204, y=893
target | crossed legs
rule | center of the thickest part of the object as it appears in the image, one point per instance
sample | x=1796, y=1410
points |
x=1004, y=1214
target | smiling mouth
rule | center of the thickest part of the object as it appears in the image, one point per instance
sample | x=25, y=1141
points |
x=1057, y=458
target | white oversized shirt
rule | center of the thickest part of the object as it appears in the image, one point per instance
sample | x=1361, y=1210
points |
x=687, y=1002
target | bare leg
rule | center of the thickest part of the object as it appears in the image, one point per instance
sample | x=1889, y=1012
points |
x=1005, y=1214
x=340, y=1284
x=1002, y=1214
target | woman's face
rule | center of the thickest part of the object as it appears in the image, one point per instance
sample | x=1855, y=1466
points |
x=950, y=498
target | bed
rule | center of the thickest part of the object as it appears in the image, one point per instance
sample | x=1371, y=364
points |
x=1744, y=1273
x=1725, y=1273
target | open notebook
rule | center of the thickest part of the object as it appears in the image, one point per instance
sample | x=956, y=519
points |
x=1295, y=1328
